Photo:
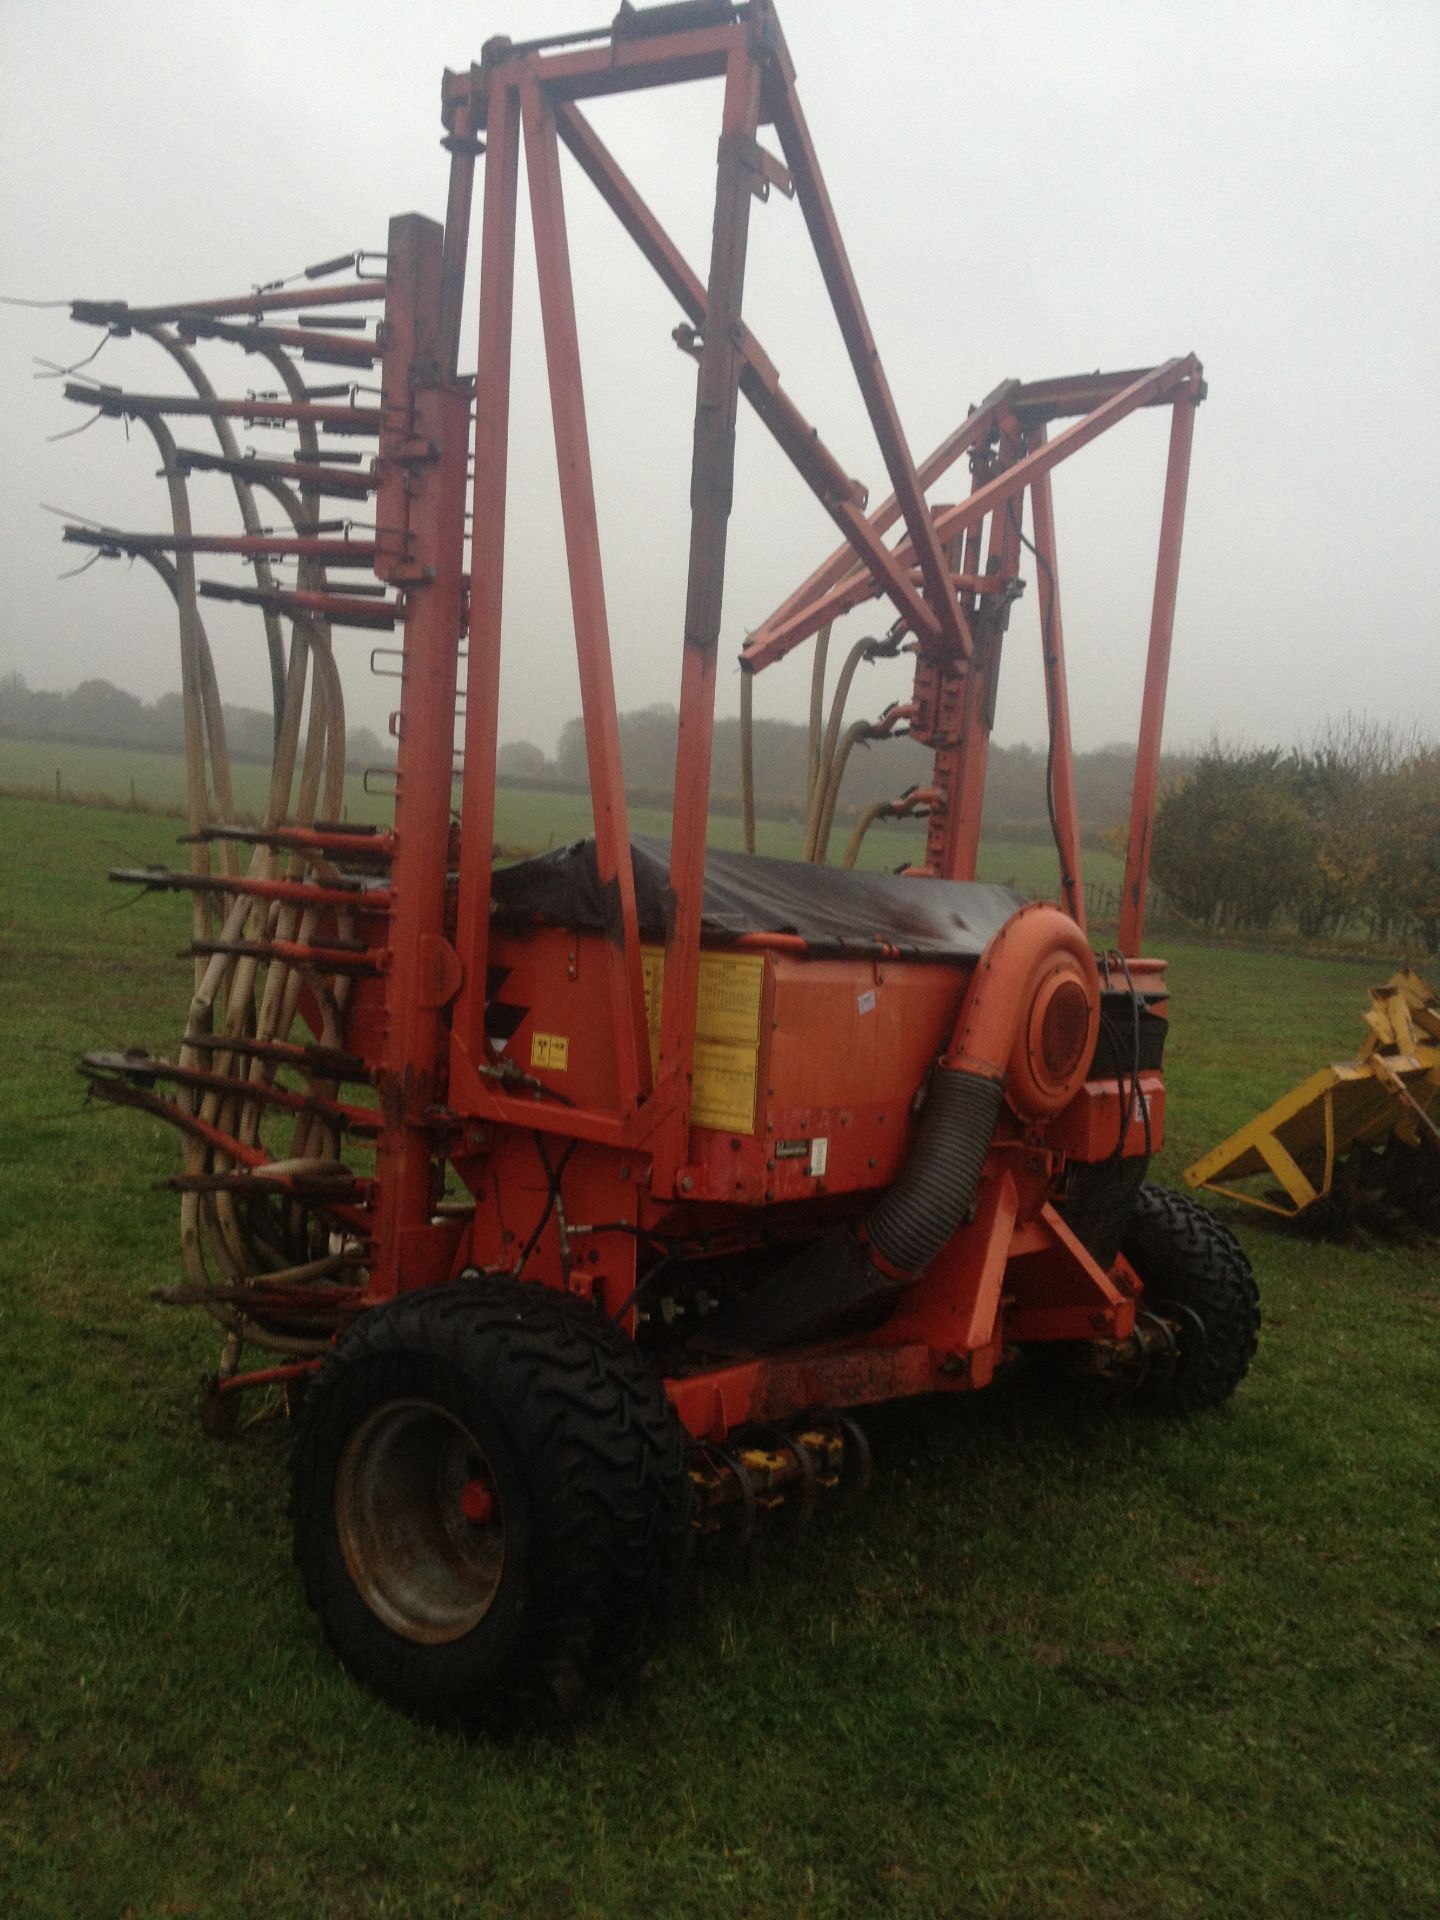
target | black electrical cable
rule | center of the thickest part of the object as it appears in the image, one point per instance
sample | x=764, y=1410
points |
x=1116, y=1059
x=552, y=1181
x=1130, y=1091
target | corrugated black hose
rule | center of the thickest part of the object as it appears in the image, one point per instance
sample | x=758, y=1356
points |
x=836, y=1284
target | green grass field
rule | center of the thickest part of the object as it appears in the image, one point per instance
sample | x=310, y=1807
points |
x=525, y=821
x=1057, y=1667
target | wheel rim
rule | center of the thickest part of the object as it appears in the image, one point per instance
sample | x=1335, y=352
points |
x=420, y=1521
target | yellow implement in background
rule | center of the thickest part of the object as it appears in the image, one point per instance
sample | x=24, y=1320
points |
x=1384, y=1094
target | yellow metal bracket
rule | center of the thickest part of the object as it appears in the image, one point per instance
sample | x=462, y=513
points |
x=1387, y=1089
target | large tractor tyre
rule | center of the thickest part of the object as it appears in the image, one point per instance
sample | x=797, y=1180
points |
x=490, y=1503
x=1200, y=1285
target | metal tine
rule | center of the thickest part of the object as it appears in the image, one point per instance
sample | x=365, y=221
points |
x=145, y=1069
x=327, y=456
x=327, y=1063
x=346, y=957
x=344, y=895
x=358, y=840
x=348, y=611
x=307, y=474
x=318, y=1188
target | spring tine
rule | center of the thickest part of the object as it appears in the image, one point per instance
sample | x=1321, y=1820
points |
x=325, y=268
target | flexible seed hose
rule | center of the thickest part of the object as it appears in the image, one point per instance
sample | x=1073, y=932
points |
x=222, y=1240
x=819, y=795
x=877, y=809
x=817, y=710
x=244, y=495
x=901, y=809
x=827, y=751
x=857, y=731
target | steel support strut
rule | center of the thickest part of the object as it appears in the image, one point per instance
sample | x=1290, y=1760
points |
x=792, y=623
x=487, y=566
x=587, y=598
x=759, y=381
x=418, y=981
x=1060, y=765
x=814, y=200
x=1157, y=671
x=711, y=490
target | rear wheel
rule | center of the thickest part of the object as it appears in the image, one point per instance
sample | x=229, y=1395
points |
x=1197, y=1324
x=490, y=1503
x=1200, y=1286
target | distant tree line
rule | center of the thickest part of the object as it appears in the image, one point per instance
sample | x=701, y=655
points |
x=1014, y=794
x=1337, y=836
x=98, y=713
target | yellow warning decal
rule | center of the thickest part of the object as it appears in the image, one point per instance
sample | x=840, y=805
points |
x=727, y=1035
x=550, y=1050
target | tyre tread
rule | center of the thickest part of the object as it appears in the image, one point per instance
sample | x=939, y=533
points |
x=605, y=1457
x=1188, y=1257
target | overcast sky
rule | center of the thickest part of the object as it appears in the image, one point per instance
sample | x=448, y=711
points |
x=1025, y=189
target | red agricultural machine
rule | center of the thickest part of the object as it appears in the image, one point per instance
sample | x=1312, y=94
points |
x=586, y=1197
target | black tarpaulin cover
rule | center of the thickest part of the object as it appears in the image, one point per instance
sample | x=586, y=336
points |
x=833, y=910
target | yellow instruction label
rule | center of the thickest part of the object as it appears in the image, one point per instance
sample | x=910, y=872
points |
x=550, y=1050
x=727, y=1035
x=723, y=1094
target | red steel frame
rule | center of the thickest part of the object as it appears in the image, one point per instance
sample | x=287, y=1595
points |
x=950, y=578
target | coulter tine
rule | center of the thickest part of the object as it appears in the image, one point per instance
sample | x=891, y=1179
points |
x=315, y=1189
x=342, y=840
x=308, y=474
x=144, y=1070
x=344, y=896
x=345, y=957
x=340, y=611
x=325, y=1063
